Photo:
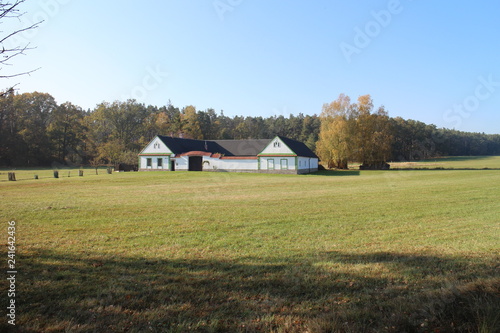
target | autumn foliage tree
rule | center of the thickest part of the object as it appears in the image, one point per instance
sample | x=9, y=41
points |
x=335, y=143
x=373, y=134
x=354, y=132
x=190, y=123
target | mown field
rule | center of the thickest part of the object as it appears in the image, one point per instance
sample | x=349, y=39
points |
x=337, y=251
x=63, y=172
x=453, y=162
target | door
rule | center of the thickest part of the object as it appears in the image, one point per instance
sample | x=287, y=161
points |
x=172, y=165
x=195, y=163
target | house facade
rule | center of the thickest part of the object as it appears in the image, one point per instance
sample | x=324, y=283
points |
x=278, y=155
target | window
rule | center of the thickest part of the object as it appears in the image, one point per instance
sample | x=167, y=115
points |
x=156, y=145
x=284, y=164
x=270, y=164
x=276, y=144
x=160, y=163
x=149, y=162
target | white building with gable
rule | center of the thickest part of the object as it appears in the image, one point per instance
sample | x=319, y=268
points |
x=278, y=155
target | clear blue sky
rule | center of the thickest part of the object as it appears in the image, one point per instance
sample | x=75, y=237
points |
x=433, y=61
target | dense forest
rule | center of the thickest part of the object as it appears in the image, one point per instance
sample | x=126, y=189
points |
x=36, y=131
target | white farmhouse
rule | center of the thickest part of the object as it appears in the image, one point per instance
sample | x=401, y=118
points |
x=278, y=155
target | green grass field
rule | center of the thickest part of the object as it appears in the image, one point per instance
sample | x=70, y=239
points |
x=337, y=251
x=63, y=172
x=453, y=162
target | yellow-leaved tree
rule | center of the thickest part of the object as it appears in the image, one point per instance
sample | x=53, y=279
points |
x=335, y=136
x=354, y=132
x=190, y=123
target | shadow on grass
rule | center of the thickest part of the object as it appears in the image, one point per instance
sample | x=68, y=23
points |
x=328, y=292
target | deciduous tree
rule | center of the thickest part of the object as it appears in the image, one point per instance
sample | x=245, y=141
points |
x=190, y=123
x=335, y=145
x=35, y=112
x=66, y=133
x=373, y=136
x=353, y=132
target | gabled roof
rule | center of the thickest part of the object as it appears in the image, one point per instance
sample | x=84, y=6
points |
x=179, y=145
x=251, y=147
x=298, y=147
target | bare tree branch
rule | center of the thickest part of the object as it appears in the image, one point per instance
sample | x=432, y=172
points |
x=19, y=74
x=10, y=10
x=33, y=26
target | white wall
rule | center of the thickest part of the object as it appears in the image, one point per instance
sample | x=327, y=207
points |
x=182, y=163
x=155, y=150
x=314, y=163
x=307, y=163
x=278, y=165
x=154, y=162
x=156, y=146
x=229, y=164
x=276, y=147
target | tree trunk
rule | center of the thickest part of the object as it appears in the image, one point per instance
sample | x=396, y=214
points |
x=342, y=164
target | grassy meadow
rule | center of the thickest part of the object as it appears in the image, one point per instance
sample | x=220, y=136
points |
x=335, y=251
x=63, y=172
x=452, y=162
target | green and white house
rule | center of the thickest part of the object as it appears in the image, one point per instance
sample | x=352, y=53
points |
x=278, y=155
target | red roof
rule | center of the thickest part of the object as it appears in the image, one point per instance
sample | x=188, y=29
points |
x=221, y=156
x=196, y=153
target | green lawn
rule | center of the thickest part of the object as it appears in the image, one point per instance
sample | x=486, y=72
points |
x=63, y=172
x=342, y=251
x=453, y=162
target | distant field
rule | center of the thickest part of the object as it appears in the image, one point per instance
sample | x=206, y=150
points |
x=338, y=251
x=454, y=162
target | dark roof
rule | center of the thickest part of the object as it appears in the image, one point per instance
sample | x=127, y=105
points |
x=180, y=145
x=298, y=147
x=251, y=147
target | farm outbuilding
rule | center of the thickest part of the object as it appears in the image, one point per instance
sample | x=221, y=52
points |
x=278, y=155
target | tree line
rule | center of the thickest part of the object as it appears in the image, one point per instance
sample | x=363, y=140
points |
x=36, y=131
x=359, y=132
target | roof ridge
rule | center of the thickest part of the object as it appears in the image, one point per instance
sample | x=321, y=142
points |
x=240, y=147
